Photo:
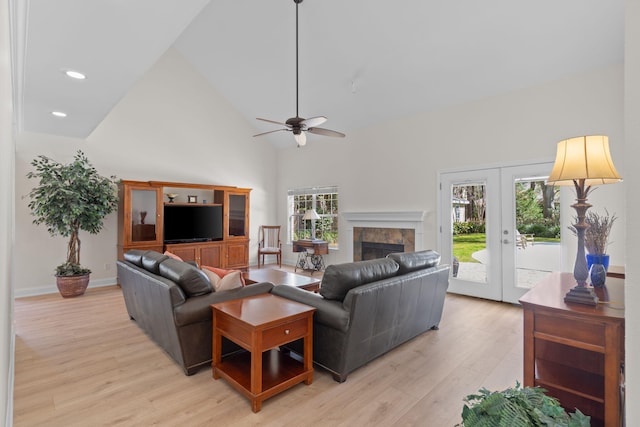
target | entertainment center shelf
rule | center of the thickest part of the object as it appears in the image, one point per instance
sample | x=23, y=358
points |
x=205, y=223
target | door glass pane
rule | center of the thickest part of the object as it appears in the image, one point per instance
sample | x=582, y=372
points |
x=237, y=204
x=143, y=215
x=537, y=235
x=469, y=244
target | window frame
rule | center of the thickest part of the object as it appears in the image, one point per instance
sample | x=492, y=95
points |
x=312, y=201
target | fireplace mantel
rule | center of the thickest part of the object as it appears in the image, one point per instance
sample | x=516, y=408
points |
x=399, y=219
x=401, y=216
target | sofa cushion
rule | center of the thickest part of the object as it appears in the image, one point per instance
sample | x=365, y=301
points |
x=339, y=279
x=192, y=280
x=134, y=256
x=151, y=261
x=412, y=261
x=229, y=281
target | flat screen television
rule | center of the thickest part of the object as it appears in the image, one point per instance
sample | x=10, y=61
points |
x=192, y=223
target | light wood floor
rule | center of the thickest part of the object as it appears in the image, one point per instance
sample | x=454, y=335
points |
x=82, y=362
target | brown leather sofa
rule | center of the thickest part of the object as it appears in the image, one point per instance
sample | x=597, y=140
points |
x=367, y=308
x=170, y=301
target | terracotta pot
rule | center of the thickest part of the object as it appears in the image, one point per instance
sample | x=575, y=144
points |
x=72, y=286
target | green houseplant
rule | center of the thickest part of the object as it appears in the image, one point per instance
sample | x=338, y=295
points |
x=518, y=407
x=69, y=198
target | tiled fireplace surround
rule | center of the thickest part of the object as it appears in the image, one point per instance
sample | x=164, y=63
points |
x=404, y=227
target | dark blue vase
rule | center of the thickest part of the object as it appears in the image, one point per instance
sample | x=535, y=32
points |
x=598, y=259
x=598, y=275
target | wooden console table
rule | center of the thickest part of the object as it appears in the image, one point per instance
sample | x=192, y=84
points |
x=576, y=351
x=312, y=249
x=260, y=324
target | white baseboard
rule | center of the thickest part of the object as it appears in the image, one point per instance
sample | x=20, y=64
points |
x=53, y=289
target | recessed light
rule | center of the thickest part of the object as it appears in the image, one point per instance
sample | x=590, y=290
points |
x=59, y=114
x=75, y=74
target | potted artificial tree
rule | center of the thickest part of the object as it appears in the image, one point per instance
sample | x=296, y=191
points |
x=67, y=199
x=518, y=407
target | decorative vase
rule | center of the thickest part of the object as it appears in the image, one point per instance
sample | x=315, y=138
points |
x=72, y=286
x=598, y=259
x=143, y=215
x=598, y=275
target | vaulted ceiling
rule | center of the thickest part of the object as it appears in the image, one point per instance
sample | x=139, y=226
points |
x=361, y=62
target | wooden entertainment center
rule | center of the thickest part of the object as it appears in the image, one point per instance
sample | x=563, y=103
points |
x=141, y=221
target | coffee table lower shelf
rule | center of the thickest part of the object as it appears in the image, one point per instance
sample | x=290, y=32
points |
x=280, y=371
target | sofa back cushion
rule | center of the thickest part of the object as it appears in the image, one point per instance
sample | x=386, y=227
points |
x=134, y=256
x=192, y=281
x=151, y=261
x=338, y=279
x=412, y=261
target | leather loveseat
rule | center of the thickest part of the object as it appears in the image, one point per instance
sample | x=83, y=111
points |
x=170, y=300
x=366, y=308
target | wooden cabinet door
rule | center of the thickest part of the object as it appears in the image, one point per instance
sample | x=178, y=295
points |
x=139, y=217
x=237, y=254
x=187, y=253
x=211, y=255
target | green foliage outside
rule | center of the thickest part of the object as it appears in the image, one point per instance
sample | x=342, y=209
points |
x=518, y=407
x=468, y=227
x=532, y=217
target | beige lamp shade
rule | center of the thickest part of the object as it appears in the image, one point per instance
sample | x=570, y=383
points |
x=311, y=214
x=584, y=157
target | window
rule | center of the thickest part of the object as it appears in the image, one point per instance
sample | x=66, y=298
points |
x=325, y=201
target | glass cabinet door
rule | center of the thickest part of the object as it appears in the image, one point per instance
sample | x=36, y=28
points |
x=238, y=218
x=144, y=215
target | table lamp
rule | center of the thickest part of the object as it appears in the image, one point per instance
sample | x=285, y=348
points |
x=583, y=162
x=313, y=216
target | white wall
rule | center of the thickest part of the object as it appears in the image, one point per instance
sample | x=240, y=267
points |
x=172, y=126
x=632, y=179
x=394, y=166
x=7, y=148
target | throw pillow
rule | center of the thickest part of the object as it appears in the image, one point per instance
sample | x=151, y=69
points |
x=231, y=280
x=213, y=278
x=222, y=272
x=172, y=255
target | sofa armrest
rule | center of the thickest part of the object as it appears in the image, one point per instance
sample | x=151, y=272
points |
x=329, y=313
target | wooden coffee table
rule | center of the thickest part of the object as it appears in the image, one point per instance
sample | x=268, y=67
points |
x=279, y=277
x=260, y=324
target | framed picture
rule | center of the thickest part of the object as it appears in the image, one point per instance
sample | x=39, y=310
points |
x=192, y=199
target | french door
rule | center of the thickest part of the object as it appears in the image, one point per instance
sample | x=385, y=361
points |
x=479, y=234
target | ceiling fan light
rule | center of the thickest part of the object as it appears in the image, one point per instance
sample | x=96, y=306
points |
x=301, y=139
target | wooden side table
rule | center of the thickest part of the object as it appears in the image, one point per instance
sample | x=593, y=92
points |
x=260, y=324
x=576, y=351
x=312, y=250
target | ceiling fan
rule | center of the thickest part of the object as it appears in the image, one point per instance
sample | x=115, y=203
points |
x=298, y=125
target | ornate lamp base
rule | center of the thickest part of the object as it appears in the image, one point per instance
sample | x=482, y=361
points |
x=582, y=295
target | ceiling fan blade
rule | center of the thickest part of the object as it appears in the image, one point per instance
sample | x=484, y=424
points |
x=272, y=121
x=313, y=121
x=271, y=131
x=326, y=132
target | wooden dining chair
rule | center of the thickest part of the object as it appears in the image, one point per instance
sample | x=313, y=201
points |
x=269, y=243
